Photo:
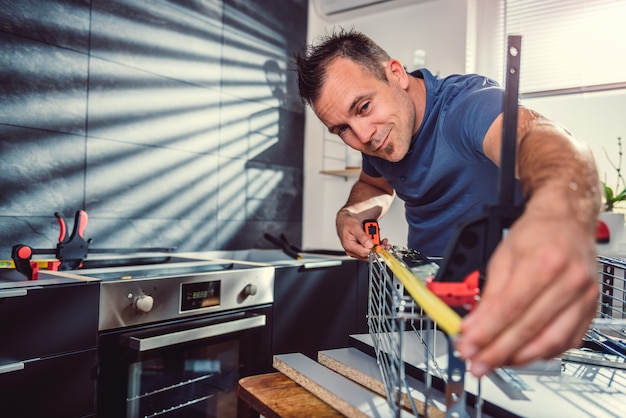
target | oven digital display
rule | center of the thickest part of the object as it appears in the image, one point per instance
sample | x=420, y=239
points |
x=199, y=295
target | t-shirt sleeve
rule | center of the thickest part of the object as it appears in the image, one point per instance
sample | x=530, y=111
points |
x=471, y=114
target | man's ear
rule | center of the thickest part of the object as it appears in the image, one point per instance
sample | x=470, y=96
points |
x=396, y=73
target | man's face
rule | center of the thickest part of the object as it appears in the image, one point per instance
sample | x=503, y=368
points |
x=369, y=115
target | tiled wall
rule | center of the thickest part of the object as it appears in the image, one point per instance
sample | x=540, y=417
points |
x=172, y=123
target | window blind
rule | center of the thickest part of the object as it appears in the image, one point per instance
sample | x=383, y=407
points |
x=568, y=46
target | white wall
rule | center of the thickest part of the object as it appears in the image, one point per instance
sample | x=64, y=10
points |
x=595, y=118
x=436, y=26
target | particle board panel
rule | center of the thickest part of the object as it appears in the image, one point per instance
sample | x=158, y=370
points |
x=346, y=396
x=363, y=369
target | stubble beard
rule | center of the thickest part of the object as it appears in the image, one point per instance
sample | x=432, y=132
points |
x=388, y=150
x=401, y=141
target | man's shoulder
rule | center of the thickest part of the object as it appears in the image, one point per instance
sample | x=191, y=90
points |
x=454, y=81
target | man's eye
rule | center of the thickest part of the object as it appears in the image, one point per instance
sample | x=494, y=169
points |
x=341, y=130
x=364, y=107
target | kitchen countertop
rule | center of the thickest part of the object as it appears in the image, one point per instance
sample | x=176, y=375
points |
x=12, y=279
x=275, y=257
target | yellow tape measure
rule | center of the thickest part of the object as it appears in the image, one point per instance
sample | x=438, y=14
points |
x=445, y=317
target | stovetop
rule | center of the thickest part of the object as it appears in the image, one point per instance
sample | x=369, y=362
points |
x=140, y=289
x=133, y=268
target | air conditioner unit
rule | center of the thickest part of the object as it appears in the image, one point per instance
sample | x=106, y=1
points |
x=334, y=10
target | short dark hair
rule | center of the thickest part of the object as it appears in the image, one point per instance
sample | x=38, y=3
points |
x=312, y=63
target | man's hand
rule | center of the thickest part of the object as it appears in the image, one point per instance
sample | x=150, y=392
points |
x=370, y=198
x=540, y=295
x=354, y=239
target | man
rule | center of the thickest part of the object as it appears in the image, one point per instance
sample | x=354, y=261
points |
x=436, y=143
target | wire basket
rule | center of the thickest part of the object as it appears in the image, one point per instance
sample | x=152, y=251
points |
x=392, y=317
x=612, y=275
x=605, y=341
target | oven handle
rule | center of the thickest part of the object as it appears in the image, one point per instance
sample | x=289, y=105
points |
x=321, y=264
x=12, y=293
x=160, y=341
x=12, y=367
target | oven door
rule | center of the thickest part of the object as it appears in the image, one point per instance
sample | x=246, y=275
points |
x=186, y=368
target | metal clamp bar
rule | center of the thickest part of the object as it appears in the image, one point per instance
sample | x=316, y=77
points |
x=160, y=341
x=455, y=388
x=12, y=367
x=509, y=123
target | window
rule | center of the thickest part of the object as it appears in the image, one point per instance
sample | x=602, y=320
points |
x=568, y=46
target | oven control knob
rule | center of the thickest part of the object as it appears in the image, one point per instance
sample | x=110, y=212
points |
x=250, y=290
x=144, y=303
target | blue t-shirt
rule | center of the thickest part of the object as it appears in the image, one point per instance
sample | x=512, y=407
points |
x=446, y=178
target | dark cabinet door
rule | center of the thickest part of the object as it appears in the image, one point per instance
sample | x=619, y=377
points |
x=43, y=321
x=48, y=354
x=55, y=387
x=317, y=308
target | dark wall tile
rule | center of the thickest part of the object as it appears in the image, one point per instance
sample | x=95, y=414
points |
x=43, y=86
x=129, y=233
x=41, y=172
x=260, y=40
x=40, y=232
x=260, y=192
x=63, y=23
x=136, y=106
x=174, y=130
x=273, y=192
x=260, y=132
x=234, y=235
x=285, y=129
x=134, y=181
x=176, y=39
x=246, y=127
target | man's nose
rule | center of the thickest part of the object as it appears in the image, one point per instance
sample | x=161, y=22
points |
x=363, y=131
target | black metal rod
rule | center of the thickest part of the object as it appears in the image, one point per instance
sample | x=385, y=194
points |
x=509, y=124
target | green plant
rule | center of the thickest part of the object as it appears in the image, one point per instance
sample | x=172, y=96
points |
x=610, y=196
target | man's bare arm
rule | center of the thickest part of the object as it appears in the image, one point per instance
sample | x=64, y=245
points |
x=549, y=156
x=541, y=290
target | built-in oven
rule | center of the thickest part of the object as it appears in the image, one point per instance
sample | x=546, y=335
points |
x=174, y=340
x=184, y=369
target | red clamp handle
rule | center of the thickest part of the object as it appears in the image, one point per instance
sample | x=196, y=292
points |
x=22, y=255
x=62, y=226
x=81, y=219
x=457, y=294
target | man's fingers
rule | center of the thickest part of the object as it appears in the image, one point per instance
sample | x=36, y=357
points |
x=555, y=321
x=536, y=303
x=542, y=328
x=505, y=298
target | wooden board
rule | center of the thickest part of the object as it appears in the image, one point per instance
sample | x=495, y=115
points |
x=362, y=368
x=274, y=395
x=349, y=398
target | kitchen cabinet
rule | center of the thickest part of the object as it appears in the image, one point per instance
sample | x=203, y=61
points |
x=52, y=387
x=48, y=354
x=318, y=304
